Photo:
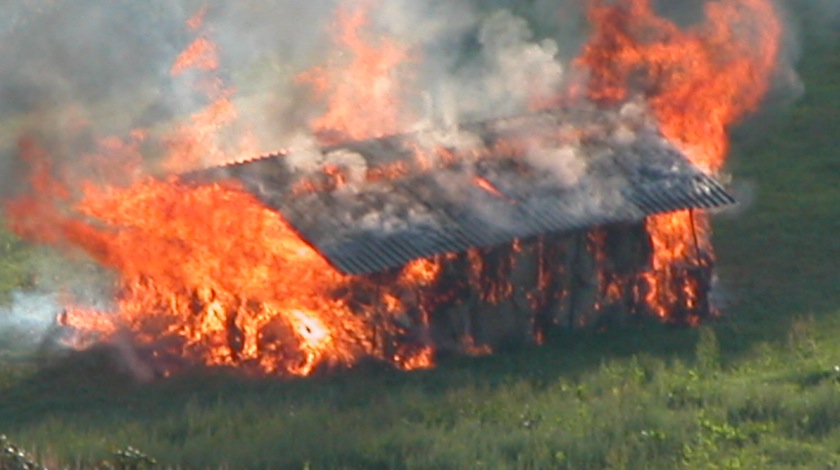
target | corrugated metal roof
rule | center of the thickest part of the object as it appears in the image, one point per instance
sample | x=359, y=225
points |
x=493, y=182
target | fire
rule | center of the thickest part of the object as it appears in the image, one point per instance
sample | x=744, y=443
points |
x=200, y=141
x=486, y=185
x=207, y=274
x=245, y=291
x=698, y=82
x=363, y=92
x=201, y=54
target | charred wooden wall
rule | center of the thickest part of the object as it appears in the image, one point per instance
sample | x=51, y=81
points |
x=519, y=292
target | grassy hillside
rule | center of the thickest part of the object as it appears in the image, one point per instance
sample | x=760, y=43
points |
x=14, y=265
x=758, y=389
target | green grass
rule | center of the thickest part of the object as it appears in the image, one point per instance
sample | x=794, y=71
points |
x=759, y=388
x=585, y=403
x=15, y=267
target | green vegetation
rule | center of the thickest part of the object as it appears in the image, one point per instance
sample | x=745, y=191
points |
x=14, y=265
x=759, y=388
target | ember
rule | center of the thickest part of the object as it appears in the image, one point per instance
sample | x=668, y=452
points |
x=393, y=245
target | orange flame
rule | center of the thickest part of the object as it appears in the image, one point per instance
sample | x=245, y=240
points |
x=209, y=275
x=200, y=141
x=245, y=290
x=698, y=81
x=362, y=84
x=201, y=54
x=486, y=185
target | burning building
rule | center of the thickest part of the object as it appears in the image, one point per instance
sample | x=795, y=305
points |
x=586, y=208
x=530, y=221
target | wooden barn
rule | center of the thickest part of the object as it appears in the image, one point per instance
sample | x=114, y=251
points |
x=531, y=222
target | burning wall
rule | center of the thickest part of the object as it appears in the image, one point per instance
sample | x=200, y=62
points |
x=209, y=273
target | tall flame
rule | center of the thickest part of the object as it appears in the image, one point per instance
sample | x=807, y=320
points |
x=206, y=273
x=209, y=275
x=698, y=82
x=201, y=140
x=245, y=289
x=362, y=85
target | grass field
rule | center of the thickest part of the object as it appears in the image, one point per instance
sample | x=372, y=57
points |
x=759, y=388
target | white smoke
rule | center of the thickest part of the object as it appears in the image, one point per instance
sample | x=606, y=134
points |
x=351, y=163
x=305, y=154
x=565, y=163
x=470, y=59
x=511, y=71
x=27, y=321
x=71, y=72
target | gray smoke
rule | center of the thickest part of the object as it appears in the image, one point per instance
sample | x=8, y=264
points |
x=72, y=72
x=26, y=322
